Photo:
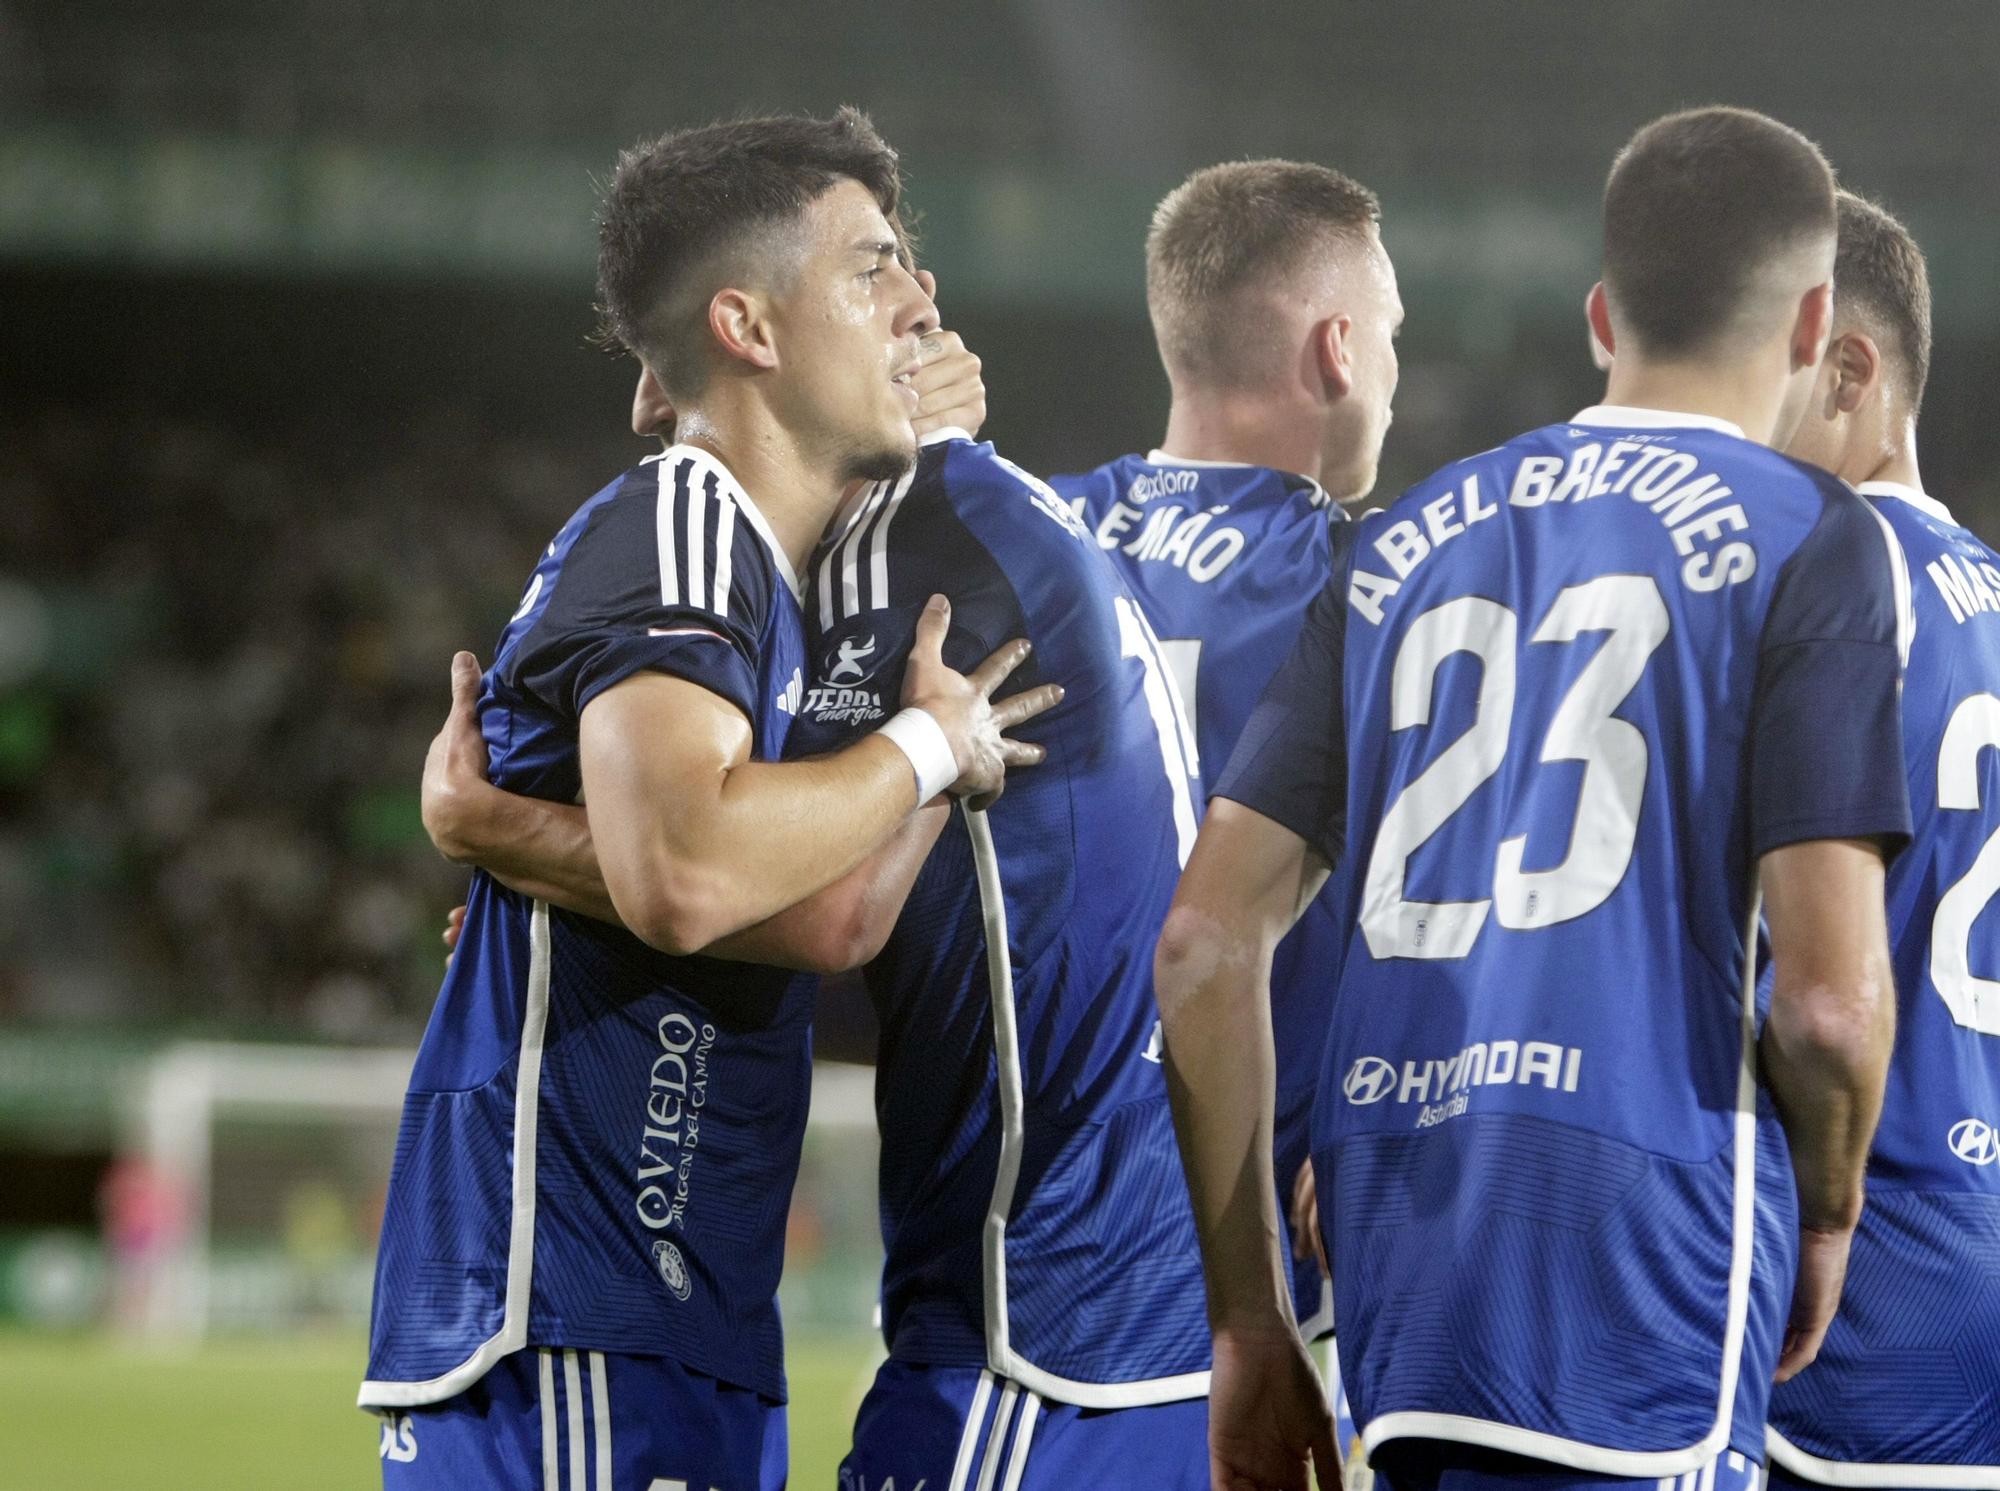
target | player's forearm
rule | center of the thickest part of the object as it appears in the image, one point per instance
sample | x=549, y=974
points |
x=540, y=848
x=845, y=925
x=1211, y=979
x=1827, y=1040
x=760, y=840
x=1825, y=1055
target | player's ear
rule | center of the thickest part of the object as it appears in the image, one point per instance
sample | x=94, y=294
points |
x=1333, y=351
x=1813, y=327
x=741, y=326
x=1857, y=364
x=1603, y=340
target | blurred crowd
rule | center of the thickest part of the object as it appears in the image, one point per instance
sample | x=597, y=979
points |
x=221, y=658
x=224, y=644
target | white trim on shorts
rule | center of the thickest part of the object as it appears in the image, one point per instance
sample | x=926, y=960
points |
x=1809, y=1467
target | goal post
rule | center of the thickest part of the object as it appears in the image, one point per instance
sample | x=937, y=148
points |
x=247, y=1193
x=232, y=1151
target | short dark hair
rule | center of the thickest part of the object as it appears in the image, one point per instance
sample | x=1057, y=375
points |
x=1879, y=281
x=1233, y=226
x=1697, y=205
x=678, y=203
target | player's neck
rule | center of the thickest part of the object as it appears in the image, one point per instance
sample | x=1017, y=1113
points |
x=1246, y=429
x=796, y=498
x=1744, y=394
x=1899, y=464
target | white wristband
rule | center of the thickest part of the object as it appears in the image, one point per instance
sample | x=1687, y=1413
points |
x=921, y=738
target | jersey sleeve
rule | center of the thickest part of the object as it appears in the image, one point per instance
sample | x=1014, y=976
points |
x=668, y=583
x=1077, y=493
x=1290, y=763
x=1826, y=732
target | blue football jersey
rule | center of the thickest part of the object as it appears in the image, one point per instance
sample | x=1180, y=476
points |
x=1034, y=1212
x=1906, y=1390
x=1552, y=708
x=599, y=1142
x=1224, y=559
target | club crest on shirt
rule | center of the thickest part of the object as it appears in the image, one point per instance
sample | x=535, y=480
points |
x=673, y=1269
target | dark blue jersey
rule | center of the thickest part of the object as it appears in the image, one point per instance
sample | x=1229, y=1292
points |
x=1224, y=559
x=1555, y=704
x=1033, y=1206
x=1906, y=1390
x=599, y=1142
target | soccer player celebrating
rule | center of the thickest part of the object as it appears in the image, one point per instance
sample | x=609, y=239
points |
x=1042, y=1288
x=1042, y=1264
x=586, y=1217
x=1561, y=724
x=1275, y=308
x=1904, y=1389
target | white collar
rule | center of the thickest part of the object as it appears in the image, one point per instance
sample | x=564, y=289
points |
x=727, y=486
x=1628, y=417
x=1923, y=502
x=1161, y=458
x=949, y=432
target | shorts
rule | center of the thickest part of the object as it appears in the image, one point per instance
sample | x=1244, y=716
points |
x=548, y=1419
x=964, y=1429
x=1434, y=1465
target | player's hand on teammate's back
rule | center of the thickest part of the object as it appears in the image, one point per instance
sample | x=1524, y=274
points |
x=1267, y=1415
x=962, y=705
x=455, y=765
x=1815, y=1296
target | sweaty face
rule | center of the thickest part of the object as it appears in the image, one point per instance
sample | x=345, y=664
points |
x=1377, y=315
x=848, y=326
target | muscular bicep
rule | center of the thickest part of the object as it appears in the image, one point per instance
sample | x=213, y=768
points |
x=655, y=751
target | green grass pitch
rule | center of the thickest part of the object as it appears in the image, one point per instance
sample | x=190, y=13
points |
x=83, y=1413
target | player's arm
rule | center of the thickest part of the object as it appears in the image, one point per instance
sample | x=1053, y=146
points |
x=1272, y=829
x=696, y=841
x=847, y=924
x=1245, y=884
x=544, y=850
x=688, y=842
x=1829, y=805
x=1825, y=1053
